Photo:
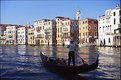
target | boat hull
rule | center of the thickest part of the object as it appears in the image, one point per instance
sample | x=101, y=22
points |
x=64, y=69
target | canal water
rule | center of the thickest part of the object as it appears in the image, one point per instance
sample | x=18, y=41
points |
x=23, y=62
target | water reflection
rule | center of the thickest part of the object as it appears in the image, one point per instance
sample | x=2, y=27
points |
x=24, y=61
x=110, y=62
x=22, y=50
x=54, y=51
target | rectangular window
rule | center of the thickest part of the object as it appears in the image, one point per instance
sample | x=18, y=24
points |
x=114, y=14
x=89, y=27
x=87, y=33
x=83, y=28
x=83, y=34
x=95, y=22
x=80, y=34
x=95, y=28
x=120, y=20
x=58, y=30
x=89, y=22
x=83, y=22
x=95, y=33
x=103, y=28
x=114, y=21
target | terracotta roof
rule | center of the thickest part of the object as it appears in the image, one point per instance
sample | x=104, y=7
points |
x=5, y=25
x=63, y=18
x=90, y=19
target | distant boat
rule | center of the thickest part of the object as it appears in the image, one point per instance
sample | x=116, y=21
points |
x=51, y=65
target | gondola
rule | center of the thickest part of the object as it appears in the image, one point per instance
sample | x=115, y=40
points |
x=51, y=65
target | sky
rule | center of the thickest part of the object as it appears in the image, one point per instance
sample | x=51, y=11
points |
x=28, y=11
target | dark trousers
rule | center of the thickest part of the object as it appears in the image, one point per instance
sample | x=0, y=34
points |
x=71, y=57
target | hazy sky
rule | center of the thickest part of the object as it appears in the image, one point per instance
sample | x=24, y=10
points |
x=24, y=11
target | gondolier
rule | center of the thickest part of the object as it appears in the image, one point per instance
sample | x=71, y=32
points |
x=71, y=54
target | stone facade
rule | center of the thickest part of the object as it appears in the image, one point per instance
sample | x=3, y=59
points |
x=2, y=36
x=45, y=32
x=67, y=29
x=11, y=35
x=109, y=28
x=88, y=31
x=31, y=37
x=22, y=35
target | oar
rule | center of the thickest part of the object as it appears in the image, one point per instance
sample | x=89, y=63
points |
x=83, y=60
x=76, y=50
x=80, y=58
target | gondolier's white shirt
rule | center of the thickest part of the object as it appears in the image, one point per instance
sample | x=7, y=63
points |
x=71, y=47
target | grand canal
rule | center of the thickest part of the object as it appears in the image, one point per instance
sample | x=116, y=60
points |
x=24, y=63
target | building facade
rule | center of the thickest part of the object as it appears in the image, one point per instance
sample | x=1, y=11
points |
x=59, y=25
x=50, y=32
x=11, y=35
x=67, y=29
x=88, y=31
x=2, y=29
x=22, y=35
x=45, y=32
x=2, y=37
x=31, y=38
x=109, y=28
x=39, y=32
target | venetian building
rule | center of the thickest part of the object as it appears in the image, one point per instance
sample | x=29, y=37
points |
x=45, y=32
x=31, y=38
x=2, y=29
x=22, y=35
x=67, y=29
x=109, y=28
x=39, y=32
x=2, y=35
x=88, y=31
x=59, y=26
x=50, y=32
x=11, y=35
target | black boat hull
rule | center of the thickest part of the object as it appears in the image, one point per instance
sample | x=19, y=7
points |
x=65, y=70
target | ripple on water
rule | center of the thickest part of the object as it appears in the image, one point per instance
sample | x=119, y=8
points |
x=24, y=63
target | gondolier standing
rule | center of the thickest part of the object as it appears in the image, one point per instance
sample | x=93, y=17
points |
x=71, y=53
